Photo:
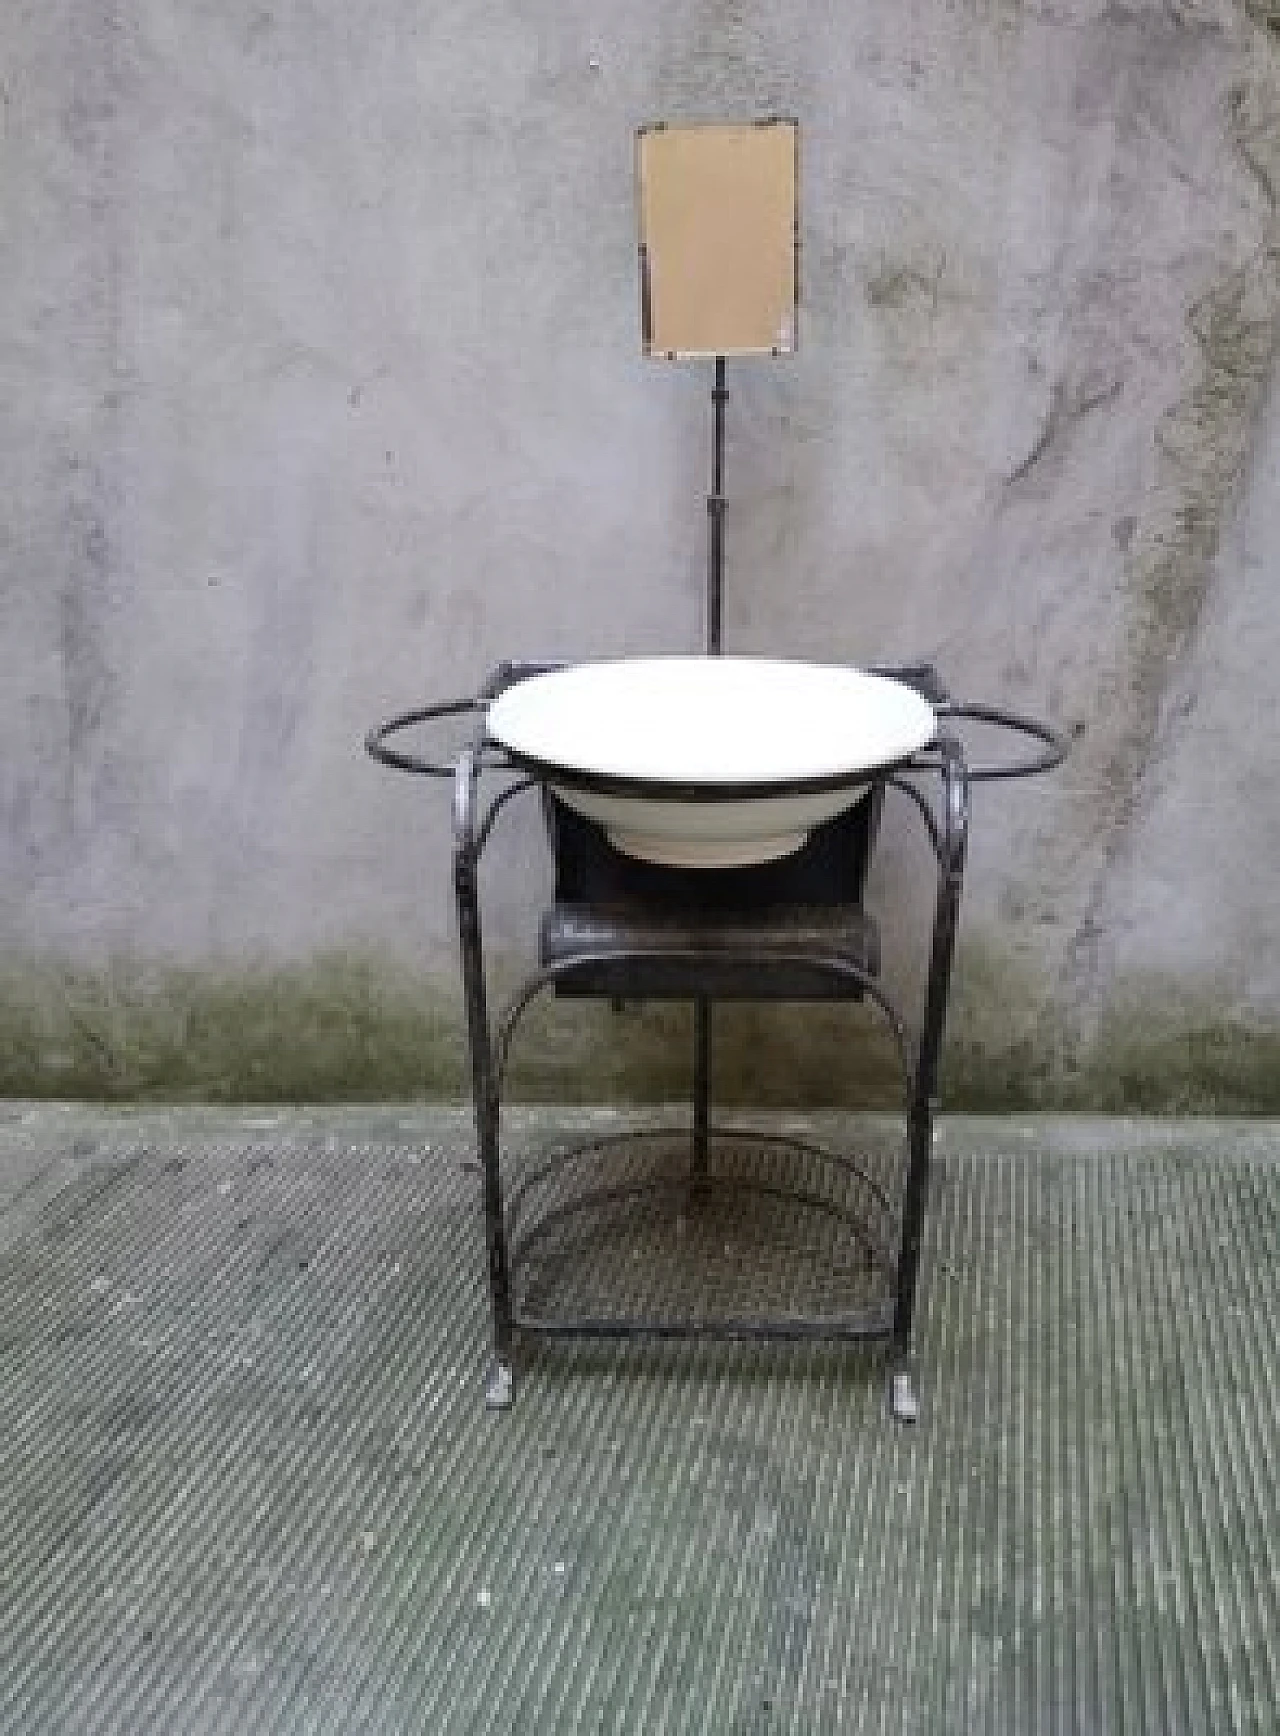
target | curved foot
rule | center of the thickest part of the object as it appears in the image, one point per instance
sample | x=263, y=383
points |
x=499, y=1387
x=904, y=1400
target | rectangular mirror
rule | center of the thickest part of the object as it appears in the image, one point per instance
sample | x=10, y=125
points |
x=719, y=238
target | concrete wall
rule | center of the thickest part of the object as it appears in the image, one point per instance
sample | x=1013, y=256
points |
x=320, y=392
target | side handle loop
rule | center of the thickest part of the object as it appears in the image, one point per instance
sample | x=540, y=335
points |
x=1052, y=745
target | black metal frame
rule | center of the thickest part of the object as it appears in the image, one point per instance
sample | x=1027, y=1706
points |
x=632, y=959
x=946, y=823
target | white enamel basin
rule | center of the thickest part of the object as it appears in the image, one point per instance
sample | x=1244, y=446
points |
x=709, y=761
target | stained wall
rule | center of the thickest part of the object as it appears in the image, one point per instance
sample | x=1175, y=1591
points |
x=321, y=392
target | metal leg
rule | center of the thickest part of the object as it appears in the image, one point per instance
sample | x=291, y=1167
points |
x=904, y=1398
x=950, y=843
x=484, y=1085
x=919, y=1147
x=701, y=1088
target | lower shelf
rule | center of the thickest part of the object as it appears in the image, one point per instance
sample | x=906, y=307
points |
x=769, y=1237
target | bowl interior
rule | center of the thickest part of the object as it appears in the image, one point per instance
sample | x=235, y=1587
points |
x=722, y=722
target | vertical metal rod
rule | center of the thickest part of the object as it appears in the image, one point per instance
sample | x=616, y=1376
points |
x=715, y=517
x=701, y=1085
x=715, y=642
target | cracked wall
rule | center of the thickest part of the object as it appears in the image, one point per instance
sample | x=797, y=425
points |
x=322, y=393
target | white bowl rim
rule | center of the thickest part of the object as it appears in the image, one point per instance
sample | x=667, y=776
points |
x=916, y=731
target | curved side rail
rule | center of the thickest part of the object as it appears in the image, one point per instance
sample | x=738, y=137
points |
x=1052, y=744
x=470, y=833
x=920, y=803
x=498, y=805
x=398, y=758
x=488, y=756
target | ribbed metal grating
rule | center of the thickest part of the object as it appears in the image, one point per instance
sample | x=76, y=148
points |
x=246, y=1482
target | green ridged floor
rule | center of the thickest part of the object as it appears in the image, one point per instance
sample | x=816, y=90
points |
x=246, y=1483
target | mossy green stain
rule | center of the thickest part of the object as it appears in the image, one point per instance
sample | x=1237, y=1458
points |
x=335, y=1028
x=358, y=1028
